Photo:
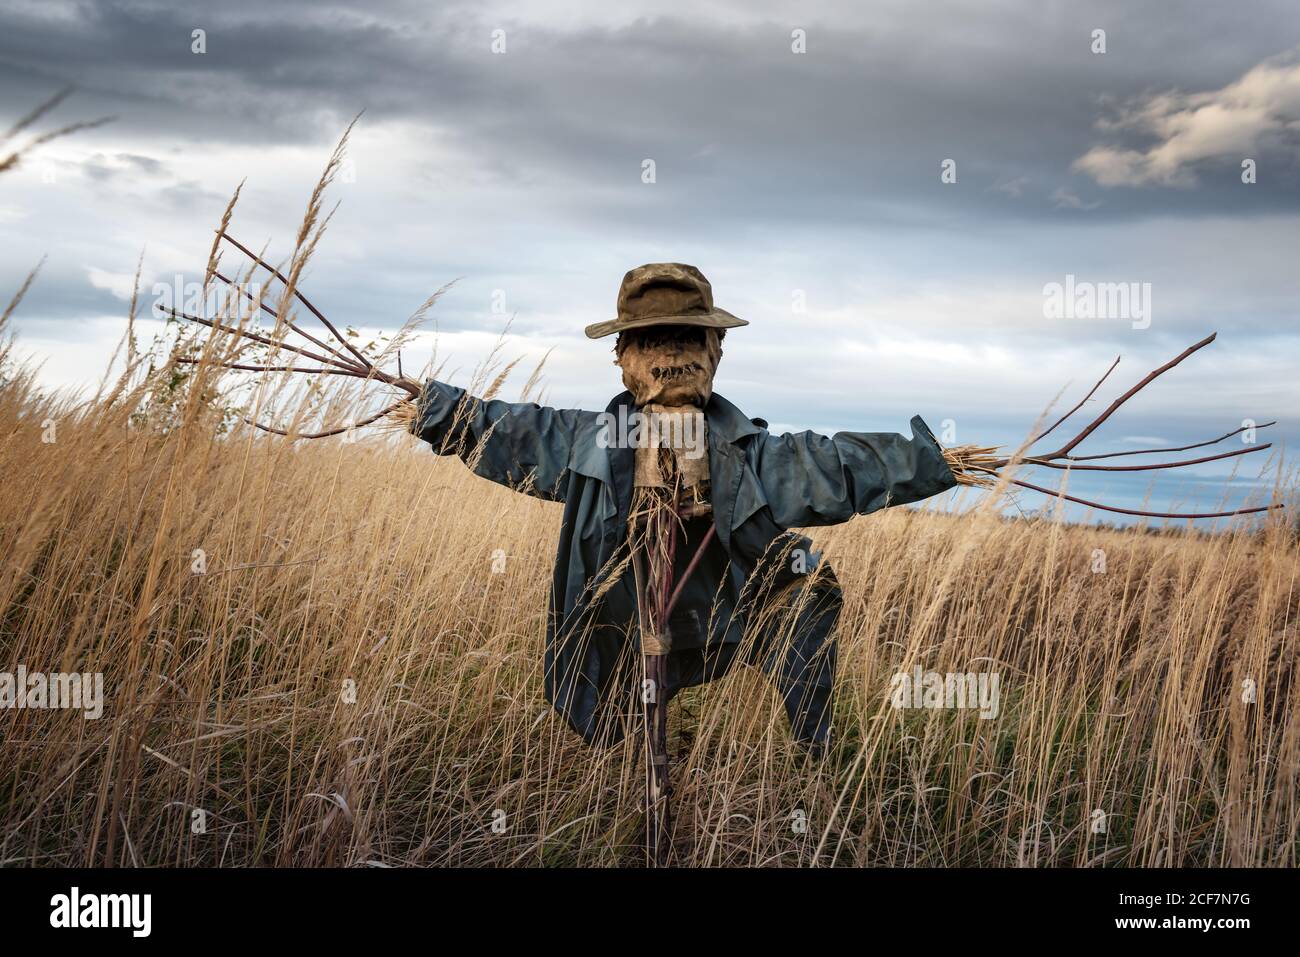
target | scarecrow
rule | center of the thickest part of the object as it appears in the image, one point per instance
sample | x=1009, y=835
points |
x=674, y=535
x=676, y=550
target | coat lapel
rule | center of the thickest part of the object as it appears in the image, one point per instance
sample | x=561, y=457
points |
x=622, y=459
x=728, y=428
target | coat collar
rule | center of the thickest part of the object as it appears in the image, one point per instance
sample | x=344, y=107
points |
x=726, y=422
x=727, y=426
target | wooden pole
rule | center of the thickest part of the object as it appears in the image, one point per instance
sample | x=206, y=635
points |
x=652, y=586
x=659, y=826
x=656, y=595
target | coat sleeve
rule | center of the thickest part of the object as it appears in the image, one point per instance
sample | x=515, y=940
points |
x=521, y=445
x=809, y=479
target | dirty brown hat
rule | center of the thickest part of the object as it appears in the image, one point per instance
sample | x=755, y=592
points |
x=659, y=294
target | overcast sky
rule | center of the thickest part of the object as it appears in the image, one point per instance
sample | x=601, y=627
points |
x=792, y=179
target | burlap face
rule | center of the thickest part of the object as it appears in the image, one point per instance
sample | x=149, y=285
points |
x=670, y=365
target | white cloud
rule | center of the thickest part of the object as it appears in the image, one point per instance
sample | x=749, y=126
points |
x=1063, y=198
x=1154, y=441
x=1014, y=187
x=120, y=284
x=1230, y=123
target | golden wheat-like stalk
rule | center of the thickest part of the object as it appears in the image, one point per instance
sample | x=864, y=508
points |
x=400, y=419
x=972, y=464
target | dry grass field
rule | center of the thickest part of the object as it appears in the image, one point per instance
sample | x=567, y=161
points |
x=369, y=565
x=330, y=654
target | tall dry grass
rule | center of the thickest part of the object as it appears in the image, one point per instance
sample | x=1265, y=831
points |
x=372, y=563
x=314, y=654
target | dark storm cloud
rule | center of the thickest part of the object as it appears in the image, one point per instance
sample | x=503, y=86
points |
x=741, y=129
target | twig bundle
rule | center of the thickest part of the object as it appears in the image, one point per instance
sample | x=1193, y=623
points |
x=329, y=356
x=400, y=419
x=971, y=464
x=976, y=466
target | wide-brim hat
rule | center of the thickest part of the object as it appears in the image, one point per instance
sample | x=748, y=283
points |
x=665, y=294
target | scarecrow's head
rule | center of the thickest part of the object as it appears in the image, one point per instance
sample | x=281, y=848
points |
x=669, y=334
x=670, y=364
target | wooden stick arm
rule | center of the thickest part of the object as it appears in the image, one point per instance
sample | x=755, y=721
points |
x=968, y=462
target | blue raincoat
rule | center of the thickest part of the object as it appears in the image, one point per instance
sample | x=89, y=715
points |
x=761, y=486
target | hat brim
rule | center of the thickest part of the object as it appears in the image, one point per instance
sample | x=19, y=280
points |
x=716, y=319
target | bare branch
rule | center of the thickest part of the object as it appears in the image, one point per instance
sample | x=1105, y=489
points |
x=1044, y=434
x=1065, y=449
x=1181, y=448
x=1132, y=511
x=288, y=322
x=1148, y=467
x=198, y=360
x=255, y=337
x=301, y=298
x=970, y=459
x=328, y=432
